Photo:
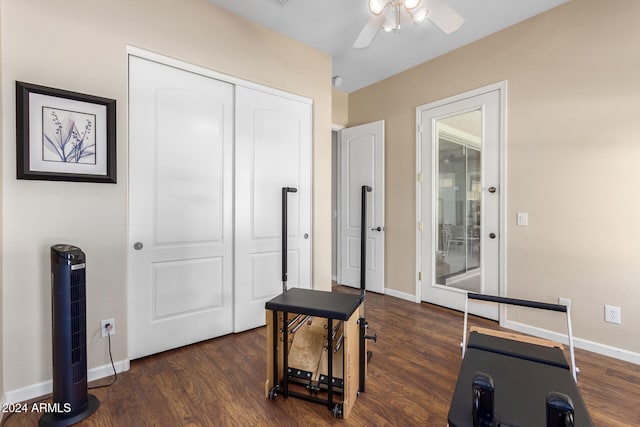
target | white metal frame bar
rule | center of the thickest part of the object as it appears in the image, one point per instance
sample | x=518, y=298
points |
x=524, y=303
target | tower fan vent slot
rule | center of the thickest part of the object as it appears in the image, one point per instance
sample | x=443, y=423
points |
x=78, y=322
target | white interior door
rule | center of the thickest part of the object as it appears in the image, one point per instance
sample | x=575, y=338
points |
x=180, y=207
x=273, y=150
x=362, y=163
x=460, y=199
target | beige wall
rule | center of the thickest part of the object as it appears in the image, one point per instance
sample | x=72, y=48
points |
x=339, y=107
x=572, y=158
x=81, y=46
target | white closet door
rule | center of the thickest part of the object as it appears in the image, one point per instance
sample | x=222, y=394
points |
x=273, y=150
x=180, y=207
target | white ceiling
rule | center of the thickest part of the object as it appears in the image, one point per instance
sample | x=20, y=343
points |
x=333, y=25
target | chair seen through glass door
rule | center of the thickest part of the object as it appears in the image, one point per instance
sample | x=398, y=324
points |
x=458, y=189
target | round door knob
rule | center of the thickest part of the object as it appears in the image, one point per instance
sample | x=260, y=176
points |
x=492, y=189
x=492, y=235
x=306, y=235
x=137, y=246
x=378, y=228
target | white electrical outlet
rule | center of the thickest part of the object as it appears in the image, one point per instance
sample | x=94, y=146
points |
x=612, y=314
x=522, y=219
x=107, y=327
x=564, y=301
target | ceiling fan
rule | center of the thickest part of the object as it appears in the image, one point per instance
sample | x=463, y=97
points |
x=386, y=14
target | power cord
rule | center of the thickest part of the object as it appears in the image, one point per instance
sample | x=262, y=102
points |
x=108, y=327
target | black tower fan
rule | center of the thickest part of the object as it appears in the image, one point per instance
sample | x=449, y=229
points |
x=71, y=401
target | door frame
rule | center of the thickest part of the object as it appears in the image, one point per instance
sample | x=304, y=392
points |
x=338, y=206
x=501, y=87
x=335, y=197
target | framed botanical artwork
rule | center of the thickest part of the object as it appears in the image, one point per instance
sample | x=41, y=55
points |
x=64, y=136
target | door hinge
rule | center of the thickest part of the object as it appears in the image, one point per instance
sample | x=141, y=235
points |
x=420, y=275
x=419, y=176
x=419, y=128
x=419, y=226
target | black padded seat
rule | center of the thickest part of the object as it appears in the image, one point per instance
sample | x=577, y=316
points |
x=329, y=305
x=553, y=356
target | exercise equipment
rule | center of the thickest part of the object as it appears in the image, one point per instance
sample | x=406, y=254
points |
x=509, y=379
x=316, y=340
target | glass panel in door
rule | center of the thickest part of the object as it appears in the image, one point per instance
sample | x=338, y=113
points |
x=458, y=186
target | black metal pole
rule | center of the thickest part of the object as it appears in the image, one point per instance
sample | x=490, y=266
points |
x=285, y=190
x=363, y=274
x=329, y=364
x=521, y=302
x=363, y=239
x=285, y=354
x=362, y=354
x=276, y=379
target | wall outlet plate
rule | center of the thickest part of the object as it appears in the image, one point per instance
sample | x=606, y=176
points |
x=103, y=327
x=612, y=314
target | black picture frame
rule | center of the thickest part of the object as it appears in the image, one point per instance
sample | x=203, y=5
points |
x=64, y=136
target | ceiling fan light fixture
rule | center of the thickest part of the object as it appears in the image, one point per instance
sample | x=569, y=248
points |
x=376, y=6
x=420, y=14
x=391, y=21
x=386, y=14
x=411, y=4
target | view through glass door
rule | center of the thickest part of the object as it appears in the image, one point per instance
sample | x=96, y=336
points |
x=459, y=214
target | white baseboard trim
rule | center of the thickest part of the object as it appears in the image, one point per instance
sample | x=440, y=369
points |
x=41, y=389
x=595, y=347
x=401, y=295
x=107, y=370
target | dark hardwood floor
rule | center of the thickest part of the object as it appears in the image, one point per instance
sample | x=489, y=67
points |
x=410, y=381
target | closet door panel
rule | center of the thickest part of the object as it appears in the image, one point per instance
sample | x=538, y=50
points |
x=273, y=150
x=180, y=249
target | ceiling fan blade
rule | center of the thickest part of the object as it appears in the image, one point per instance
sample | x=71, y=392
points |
x=443, y=16
x=369, y=31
